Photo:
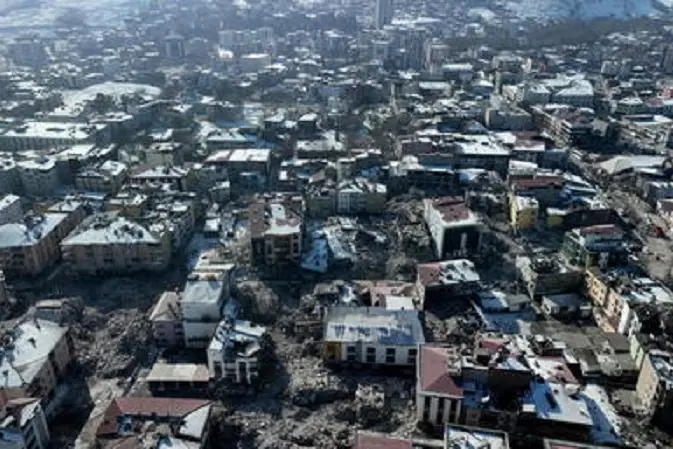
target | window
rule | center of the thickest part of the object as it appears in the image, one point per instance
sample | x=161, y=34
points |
x=371, y=355
x=411, y=356
x=440, y=409
x=350, y=353
x=390, y=355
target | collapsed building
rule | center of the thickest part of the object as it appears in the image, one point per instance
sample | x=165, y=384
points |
x=447, y=280
x=455, y=230
x=234, y=351
x=276, y=229
x=154, y=422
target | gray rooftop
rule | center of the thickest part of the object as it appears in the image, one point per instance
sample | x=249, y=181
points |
x=109, y=228
x=374, y=325
x=30, y=231
x=26, y=350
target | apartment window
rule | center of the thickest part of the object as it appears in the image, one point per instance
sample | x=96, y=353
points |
x=217, y=366
x=350, y=353
x=371, y=355
x=411, y=356
x=390, y=355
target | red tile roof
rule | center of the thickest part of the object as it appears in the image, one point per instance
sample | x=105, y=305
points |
x=433, y=375
x=451, y=208
x=428, y=273
x=132, y=406
x=371, y=441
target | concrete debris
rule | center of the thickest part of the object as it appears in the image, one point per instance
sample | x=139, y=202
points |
x=113, y=345
x=258, y=301
x=370, y=405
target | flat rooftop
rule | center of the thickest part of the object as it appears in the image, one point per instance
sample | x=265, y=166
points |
x=110, y=229
x=30, y=231
x=178, y=372
x=31, y=343
x=373, y=325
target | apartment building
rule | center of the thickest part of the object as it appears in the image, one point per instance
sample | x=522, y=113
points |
x=566, y=125
x=201, y=305
x=439, y=397
x=653, y=129
x=544, y=275
x=360, y=196
x=546, y=189
x=165, y=153
x=245, y=168
x=455, y=230
x=38, y=135
x=107, y=177
x=166, y=320
x=107, y=242
x=9, y=176
x=447, y=279
x=23, y=424
x=30, y=246
x=234, y=352
x=182, y=179
x=39, y=177
x=454, y=385
x=276, y=229
x=128, y=204
x=523, y=212
x=37, y=354
x=10, y=209
x=616, y=295
x=600, y=245
x=372, y=336
x=654, y=389
x=179, y=212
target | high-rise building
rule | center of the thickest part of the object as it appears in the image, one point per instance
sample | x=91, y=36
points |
x=383, y=13
x=175, y=46
x=667, y=59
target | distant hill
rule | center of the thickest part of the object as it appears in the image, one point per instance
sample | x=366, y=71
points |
x=546, y=10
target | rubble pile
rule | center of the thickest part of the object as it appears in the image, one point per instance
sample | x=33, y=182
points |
x=312, y=384
x=370, y=405
x=113, y=345
x=258, y=301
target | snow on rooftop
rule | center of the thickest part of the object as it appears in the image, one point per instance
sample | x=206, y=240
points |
x=30, y=231
x=372, y=324
x=32, y=341
x=558, y=402
x=106, y=229
x=608, y=425
x=75, y=99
